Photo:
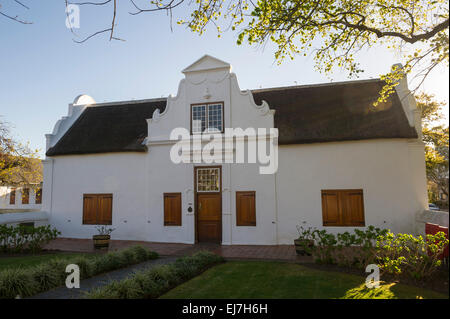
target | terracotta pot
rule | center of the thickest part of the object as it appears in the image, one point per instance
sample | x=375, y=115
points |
x=101, y=241
x=303, y=246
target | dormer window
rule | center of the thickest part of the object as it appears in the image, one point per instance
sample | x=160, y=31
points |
x=207, y=118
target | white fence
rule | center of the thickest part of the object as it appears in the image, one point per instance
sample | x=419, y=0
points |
x=432, y=217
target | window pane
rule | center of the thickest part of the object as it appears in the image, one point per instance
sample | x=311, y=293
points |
x=39, y=196
x=208, y=180
x=25, y=195
x=198, y=118
x=215, y=118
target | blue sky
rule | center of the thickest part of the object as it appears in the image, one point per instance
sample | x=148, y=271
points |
x=42, y=69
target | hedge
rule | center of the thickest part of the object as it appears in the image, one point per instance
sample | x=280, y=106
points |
x=155, y=281
x=51, y=274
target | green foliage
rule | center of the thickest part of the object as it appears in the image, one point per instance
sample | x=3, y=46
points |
x=153, y=282
x=17, y=239
x=346, y=249
x=436, y=139
x=19, y=165
x=396, y=254
x=32, y=280
x=405, y=254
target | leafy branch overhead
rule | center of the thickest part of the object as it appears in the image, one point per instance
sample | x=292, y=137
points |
x=19, y=164
x=334, y=32
x=436, y=139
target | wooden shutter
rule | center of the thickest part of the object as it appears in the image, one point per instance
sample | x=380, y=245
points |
x=89, y=209
x=330, y=208
x=97, y=209
x=104, y=216
x=353, y=208
x=343, y=207
x=12, y=197
x=172, y=209
x=38, y=196
x=245, y=209
x=25, y=196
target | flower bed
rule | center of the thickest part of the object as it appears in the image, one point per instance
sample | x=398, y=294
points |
x=154, y=282
x=395, y=254
x=45, y=276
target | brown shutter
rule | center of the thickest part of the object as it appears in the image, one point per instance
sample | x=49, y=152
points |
x=25, y=196
x=104, y=215
x=172, y=209
x=330, y=208
x=245, y=209
x=353, y=208
x=343, y=207
x=97, y=209
x=12, y=197
x=89, y=209
x=38, y=196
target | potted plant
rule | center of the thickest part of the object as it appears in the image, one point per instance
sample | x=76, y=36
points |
x=101, y=240
x=304, y=244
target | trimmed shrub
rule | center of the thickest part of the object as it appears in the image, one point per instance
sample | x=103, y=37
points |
x=45, y=276
x=153, y=282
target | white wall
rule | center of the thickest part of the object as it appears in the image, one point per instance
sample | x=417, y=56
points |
x=119, y=173
x=394, y=190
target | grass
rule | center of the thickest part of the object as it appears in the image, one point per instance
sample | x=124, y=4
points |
x=255, y=279
x=8, y=262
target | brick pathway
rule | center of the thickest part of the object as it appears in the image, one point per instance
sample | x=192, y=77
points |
x=261, y=252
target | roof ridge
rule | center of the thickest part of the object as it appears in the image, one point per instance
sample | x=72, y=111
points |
x=128, y=102
x=315, y=85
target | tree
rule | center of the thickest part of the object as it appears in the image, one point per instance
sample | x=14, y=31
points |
x=333, y=31
x=19, y=164
x=436, y=139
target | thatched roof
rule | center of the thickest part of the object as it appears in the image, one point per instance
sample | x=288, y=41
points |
x=304, y=114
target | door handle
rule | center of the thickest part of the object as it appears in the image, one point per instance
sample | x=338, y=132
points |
x=199, y=206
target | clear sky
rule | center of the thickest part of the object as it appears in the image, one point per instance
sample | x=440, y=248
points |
x=42, y=70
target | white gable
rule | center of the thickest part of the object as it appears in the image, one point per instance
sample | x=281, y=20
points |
x=207, y=63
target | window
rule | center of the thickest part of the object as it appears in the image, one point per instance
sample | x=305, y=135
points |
x=12, y=197
x=245, y=209
x=207, y=118
x=172, y=209
x=25, y=196
x=97, y=209
x=38, y=196
x=343, y=207
x=208, y=179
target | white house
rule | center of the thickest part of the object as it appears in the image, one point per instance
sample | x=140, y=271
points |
x=341, y=162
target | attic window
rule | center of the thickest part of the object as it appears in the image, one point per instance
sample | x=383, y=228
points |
x=207, y=118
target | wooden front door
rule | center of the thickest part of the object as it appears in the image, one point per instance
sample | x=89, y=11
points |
x=209, y=224
x=208, y=191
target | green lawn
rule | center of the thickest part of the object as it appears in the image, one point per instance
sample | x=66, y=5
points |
x=32, y=260
x=252, y=279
